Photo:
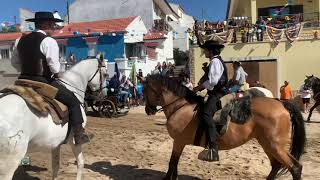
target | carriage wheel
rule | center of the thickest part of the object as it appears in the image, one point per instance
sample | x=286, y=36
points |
x=107, y=109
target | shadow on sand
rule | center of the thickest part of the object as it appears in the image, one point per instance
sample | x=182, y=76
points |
x=22, y=172
x=120, y=172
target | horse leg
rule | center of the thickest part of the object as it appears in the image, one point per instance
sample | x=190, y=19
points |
x=11, y=157
x=283, y=156
x=76, y=149
x=177, y=149
x=276, y=166
x=296, y=169
x=55, y=160
x=311, y=110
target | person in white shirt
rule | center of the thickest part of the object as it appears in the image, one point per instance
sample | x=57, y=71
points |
x=36, y=56
x=305, y=96
x=239, y=77
x=215, y=83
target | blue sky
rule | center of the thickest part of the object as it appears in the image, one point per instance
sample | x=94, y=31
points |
x=212, y=9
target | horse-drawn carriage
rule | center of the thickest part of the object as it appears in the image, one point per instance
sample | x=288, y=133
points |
x=106, y=103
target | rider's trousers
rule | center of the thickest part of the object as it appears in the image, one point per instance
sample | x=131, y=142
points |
x=68, y=98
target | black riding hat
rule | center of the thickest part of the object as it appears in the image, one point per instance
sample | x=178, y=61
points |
x=212, y=44
x=44, y=16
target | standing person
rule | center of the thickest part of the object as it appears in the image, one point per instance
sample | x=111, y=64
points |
x=305, y=96
x=36, y=56
x=285, y=92
x=72, y=59
x=165, y=70
x=215, y=83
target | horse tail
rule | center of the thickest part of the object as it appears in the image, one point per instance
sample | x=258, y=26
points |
x=298, y=132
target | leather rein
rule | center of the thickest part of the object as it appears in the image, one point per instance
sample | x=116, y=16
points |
x=100, y=73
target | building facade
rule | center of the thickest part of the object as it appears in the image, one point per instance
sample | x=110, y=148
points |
x=272, y=61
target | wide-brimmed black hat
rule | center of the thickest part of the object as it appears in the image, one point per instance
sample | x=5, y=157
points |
x=44, y=16
x=212, y=44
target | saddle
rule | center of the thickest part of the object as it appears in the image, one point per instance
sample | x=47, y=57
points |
x=40, y=97
x=221, y=119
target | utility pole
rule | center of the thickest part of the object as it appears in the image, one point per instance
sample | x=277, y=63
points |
x=202, y=12
x=68, y=14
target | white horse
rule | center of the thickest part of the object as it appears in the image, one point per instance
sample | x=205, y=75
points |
x=22, y=130
x=265, y=91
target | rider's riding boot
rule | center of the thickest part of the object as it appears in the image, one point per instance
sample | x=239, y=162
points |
x=210, y=154
x=80, y=137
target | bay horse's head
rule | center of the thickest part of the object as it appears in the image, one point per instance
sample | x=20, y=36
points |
x=151, y=93
x=310, y=81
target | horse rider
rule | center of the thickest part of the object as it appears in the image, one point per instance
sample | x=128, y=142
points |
x=36, y=56
x=215, y=84
x=238, y=80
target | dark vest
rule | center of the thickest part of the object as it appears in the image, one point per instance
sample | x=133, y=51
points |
x=33, y=62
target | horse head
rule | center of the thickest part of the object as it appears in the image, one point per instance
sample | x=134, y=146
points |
x=310, y=81
x=151, y=93
x=97, y=80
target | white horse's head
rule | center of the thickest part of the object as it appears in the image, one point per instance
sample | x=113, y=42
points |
x=97, y=81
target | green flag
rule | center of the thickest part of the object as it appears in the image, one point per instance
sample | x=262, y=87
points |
x=133, y=75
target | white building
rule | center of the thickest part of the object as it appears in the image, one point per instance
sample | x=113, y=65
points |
x=155, y=14
x=181, y=28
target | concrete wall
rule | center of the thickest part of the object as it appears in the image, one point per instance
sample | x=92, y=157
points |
x=180, y=36
x=293, y=62
x=165, y=50
x=135, y=30
x=93, y=10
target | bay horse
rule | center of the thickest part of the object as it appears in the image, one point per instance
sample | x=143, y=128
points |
x=265, y=119
x=313, y=83
x=23, y=130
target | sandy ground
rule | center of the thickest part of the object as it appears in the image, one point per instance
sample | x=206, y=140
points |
x=138, y=147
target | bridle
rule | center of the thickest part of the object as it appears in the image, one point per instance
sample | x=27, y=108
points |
x=100, y=65
x=164, y=107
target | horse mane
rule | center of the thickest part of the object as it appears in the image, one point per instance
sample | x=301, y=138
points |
x=174, y=84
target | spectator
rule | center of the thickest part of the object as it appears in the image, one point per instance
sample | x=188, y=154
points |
x=157, y=69
x=187, y=83
x=125, y=89
x=165, y=70
x=140, y=74
x=285, y=92
x=72, y=59
x=170, y=69
x=305, y=95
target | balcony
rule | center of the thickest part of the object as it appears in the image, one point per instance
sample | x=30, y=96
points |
x=161, y=25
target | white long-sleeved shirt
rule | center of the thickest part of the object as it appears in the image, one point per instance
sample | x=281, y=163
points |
x=215, y=72
x=49, y=48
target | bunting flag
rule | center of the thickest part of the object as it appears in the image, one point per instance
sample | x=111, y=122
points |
x=222, y=37
x=274, y=34
x=291, y=33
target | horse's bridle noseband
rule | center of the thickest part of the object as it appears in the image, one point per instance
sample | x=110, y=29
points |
x=164, y=106
x=100, y=65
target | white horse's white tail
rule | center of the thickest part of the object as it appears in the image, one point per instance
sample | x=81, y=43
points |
x=22, y=129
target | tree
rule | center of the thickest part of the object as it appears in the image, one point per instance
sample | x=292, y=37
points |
x=180, y=57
